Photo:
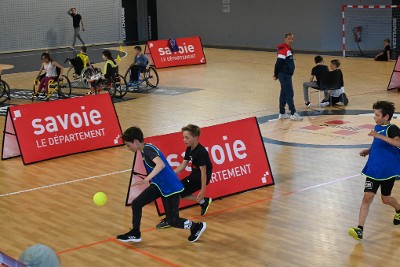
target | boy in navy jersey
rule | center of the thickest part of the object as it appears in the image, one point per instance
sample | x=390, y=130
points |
x=164, y=183
x=383, y=165
x=200, y=176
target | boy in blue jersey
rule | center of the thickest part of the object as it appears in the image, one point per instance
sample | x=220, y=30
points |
x=383, y=165
x=164, y=183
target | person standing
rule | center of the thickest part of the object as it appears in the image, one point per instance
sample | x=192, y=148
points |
x=284, y=69
x=77, y=22
x=383, y=165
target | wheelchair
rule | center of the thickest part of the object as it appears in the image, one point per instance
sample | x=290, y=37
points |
x=146, y=75
x=115, y=86
x=61, y=86
x=4, y=91
x=78, y=72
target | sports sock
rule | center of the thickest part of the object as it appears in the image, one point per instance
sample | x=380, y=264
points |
x=361, y=227
x=201, y=201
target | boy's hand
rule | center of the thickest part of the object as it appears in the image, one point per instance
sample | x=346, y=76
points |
x=200, y=196
x=364, y=152
x=373, y=133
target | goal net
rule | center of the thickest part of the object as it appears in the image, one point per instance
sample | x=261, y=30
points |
x=366, y=26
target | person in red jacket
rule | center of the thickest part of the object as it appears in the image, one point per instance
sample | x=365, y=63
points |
x=284, y=69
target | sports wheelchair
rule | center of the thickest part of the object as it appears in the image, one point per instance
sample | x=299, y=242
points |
x=4, y=90
x=78, y=72
x=115, y=85
x=146, y=75
x=61, y=85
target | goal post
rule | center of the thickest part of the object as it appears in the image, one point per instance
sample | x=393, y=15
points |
x=364, y=27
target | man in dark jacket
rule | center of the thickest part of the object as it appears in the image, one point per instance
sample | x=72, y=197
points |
x=284, y=69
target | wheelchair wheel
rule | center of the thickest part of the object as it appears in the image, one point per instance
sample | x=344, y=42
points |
x=4, y=91
x=106, y=86
x=85, y=76
x=121, y=87
x=151, y=77
x=127, y=77
x=64, y=87
x=71, y=74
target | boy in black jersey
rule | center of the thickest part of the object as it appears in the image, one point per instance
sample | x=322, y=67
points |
x=200, y=176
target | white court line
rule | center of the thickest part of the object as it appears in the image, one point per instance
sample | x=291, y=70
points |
x=63, y=183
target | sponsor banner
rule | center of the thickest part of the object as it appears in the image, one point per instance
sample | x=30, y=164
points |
x=190, y=52
x=237, y=153
x=48, y=130
x=394, y=82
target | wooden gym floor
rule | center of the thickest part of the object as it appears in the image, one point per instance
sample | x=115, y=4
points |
x=300, y=221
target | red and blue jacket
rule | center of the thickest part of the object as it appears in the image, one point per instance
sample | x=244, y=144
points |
x=285, y=61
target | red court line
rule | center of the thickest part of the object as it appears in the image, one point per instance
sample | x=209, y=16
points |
x=145, y=253
x=209, y=214
x=85, y=246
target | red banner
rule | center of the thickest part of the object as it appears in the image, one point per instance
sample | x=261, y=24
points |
x=190, y=52
x=46, y=130
x=237, y=153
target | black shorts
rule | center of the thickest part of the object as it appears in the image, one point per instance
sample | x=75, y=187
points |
x=192, y=183
x=372, y=185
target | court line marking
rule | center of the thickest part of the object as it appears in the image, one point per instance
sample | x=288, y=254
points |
x=209, y=215
x=63, y=183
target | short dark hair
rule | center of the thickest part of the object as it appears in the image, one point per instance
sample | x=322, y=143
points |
x=387, y=40
x=288, y=34
x=138, y=47
x=336, y=62
x=133, y=133
x=386, y=107
x=194, y=130
x=84, y=49
x=318, y=59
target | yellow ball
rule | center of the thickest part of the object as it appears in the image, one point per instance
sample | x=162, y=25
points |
x=100, y=198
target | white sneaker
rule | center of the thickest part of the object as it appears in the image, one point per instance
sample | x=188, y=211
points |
x=324, y=103
x=283, y=116
x=296, y=117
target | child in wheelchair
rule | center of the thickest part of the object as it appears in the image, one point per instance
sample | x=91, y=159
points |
x=53, y=71
x=110, y=72
x=80, y=62
x=139, y=64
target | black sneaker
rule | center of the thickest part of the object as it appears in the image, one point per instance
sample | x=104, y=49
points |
x=163, y=224
x=196, y=231
x=205, y=205
x=345, y=99
x=131, y=236
x=396, y=219
x=356, y=233
x=308, y=104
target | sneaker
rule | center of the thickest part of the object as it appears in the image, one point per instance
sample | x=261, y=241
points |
x=396, y=219
x=205, y=205
x=283, y=116
x=131, y=236
x=196, y=231
x=163, y=224
x=324, y=103
x=345, y=99
x=296, y=117
x=356, y=233
x=308, y=104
